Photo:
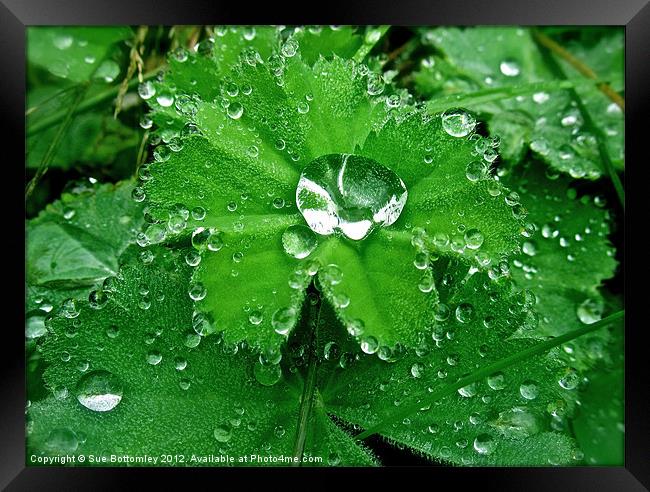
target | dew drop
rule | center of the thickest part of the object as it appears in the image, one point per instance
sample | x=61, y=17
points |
x=529, y=390
x=509, y=67
x=299, y=241
x=350, y=194
x=457, y=122
x=283, y=320
x=267, y=375
x=100, y=391
x=484, y=444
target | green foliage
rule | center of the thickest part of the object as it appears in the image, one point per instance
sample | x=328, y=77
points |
x=309, y=253
x=567, y=258
x=294, y=114
x=547, y=122
x=75, y=243
x=74, y=53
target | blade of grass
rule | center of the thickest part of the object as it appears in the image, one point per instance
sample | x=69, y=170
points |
x=366, y=48
x=56, y=141
x=581, y=67
x=86, y=105
x=499, y=365
x=498, y=93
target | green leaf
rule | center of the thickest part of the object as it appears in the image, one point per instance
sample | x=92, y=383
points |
x=74, y=244
x=599, y=424
x=328, y=41
x=73, y=53
x=500, y=420
x=565, y=262
x=166, y=378
x=505, y=57
x=241, y=164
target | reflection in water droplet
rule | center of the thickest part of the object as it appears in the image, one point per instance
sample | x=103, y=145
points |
x=100, y=391
x=349, y=194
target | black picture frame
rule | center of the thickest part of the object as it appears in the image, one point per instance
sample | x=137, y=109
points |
x=17, y=15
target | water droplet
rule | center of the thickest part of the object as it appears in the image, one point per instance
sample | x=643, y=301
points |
x=223, y=432
x=290, y=48
x=465, y=312
x=540, y=97
x=70, y=308
x=375, y=85
x=255, y=317
x=474, y=239
x=154, y=357
x=476, y=170
x=299, y=241
x=417, y=370
x=484, y=444
x=369, y=344
x=235, y=110
x=331, y=351
x=180, y=364
x=192, y=258
x=330, y=274
x=97, y=299
x=107, y=71
x=509, y=67
x=496, y=381
x=35, y=324
x=267, y=375
x=283, y=320
x=590, y=311
x=457, y=122
x=569, y=379
x=529, y=390
x=146, y=90
x=165, y=99
x=529, y=248
x=350, y=194
x=99, y=391
x=197, y=291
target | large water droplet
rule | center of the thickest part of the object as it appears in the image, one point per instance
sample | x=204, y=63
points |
x=299, y=241
x=350, y=194
x=458, y=123
x=100, y=391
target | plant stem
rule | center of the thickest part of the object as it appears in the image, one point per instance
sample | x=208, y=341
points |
x=497, y=93
x=309, y=389
x=537, y=349
x=605, y=88
x=366, y=48
x=54, y=144
x=87, y=104
x=589, y=122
